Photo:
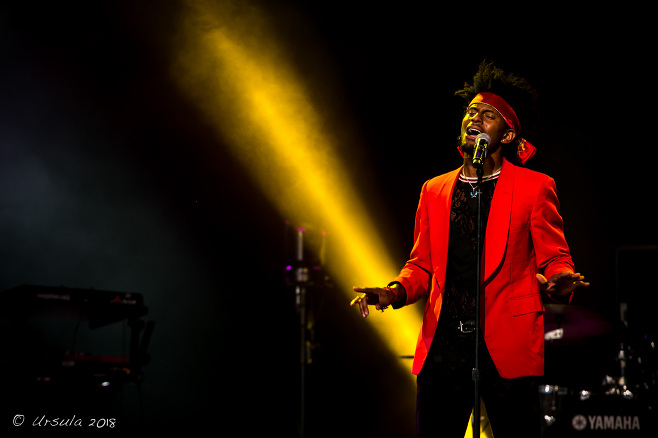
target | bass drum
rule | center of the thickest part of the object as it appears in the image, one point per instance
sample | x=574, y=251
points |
x=583, y=414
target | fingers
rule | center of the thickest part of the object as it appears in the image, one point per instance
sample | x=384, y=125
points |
x=579, y=280
x=563, y=277
x=561, y=283
x=372, y=296
x=576, y=279
x=362, y=303
x=576, y=276
x=356, y=300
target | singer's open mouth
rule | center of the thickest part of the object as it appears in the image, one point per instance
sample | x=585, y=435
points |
x=471, y=133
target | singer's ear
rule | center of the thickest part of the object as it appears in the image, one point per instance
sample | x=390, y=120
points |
x=508, y=136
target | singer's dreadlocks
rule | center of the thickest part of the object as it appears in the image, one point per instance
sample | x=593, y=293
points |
x=516, y=90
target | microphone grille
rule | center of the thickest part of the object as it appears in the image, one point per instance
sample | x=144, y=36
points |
x=481, y=137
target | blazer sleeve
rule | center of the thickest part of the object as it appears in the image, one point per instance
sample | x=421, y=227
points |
x=416, y=274
x=547, y=232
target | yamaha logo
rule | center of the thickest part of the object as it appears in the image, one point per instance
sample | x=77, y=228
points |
x=606, y=422
x=579, y=422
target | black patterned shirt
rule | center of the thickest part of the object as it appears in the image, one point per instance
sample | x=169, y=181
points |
x=459, y=300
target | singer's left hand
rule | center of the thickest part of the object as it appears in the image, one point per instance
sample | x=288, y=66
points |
x=562, y=283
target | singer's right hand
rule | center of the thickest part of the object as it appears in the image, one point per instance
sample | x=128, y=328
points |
x=380, y=297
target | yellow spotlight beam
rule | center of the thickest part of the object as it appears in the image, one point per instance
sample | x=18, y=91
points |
x=232, y=68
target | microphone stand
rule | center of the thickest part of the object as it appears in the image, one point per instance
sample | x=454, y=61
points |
x=476, y=369
x=305, y=272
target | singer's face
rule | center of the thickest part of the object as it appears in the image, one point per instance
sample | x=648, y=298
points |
x=482, y=118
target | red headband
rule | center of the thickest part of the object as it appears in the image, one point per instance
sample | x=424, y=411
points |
x=525, y=150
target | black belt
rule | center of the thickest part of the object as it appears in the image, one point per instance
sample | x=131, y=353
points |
x=460, y=326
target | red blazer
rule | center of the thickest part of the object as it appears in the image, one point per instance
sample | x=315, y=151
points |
x=524, y=236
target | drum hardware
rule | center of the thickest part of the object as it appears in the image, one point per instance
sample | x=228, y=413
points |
x=622, y=404
x=584, y=395
x=551, y=396
x=622, y=386
x=567, y=324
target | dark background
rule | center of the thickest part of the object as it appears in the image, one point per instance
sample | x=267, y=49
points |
x=107, y=183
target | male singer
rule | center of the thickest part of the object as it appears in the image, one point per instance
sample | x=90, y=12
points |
x=524, y=253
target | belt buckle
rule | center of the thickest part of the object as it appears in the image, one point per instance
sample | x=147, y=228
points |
x=466, y=328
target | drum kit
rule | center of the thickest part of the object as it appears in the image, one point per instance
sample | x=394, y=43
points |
x=600, y=378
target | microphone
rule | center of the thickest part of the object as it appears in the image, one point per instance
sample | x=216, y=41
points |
x=480, y=150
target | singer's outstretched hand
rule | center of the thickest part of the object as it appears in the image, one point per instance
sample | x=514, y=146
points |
x=380, y=297
x=562, y=283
